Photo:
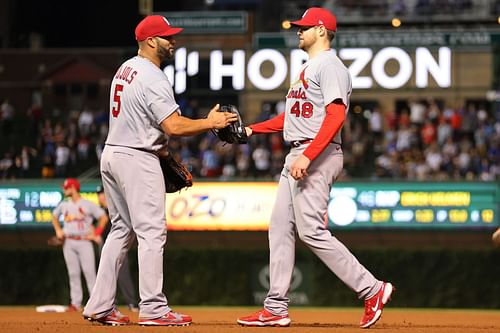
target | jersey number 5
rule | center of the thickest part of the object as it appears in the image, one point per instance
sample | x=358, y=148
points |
x=305, y=110
x=117, y=99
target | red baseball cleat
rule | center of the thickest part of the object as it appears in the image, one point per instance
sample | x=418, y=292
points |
x=375, y=304
x=170, y=319
x=115, y=318
x=72, y=308
x=264, y=318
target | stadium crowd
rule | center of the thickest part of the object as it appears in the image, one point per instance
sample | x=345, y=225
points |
x=421, y=141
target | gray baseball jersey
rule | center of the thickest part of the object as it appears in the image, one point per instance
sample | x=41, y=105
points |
x=77, y=216
x=78, y=252
x=143, y=91
x=301, y=205
x=320, y=81
x=141, y=98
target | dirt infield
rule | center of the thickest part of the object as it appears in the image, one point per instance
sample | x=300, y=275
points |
x=222, y=320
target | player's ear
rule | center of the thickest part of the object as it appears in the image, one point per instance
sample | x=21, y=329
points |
x=322, y=30
x=151, y=42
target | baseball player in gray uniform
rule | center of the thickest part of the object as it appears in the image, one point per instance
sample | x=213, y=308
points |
x=125, y=282
x=316, y=106
x=143, y=115
x=77, y=232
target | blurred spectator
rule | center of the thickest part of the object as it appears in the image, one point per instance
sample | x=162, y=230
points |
x=61, y=160
x=7, y=112
x=433, y=158
x=6, y=166
x=34, y=119
x=417, y=112
x=399, y=7
x=451, y=143
x=85, y=122
x=456, y=123
x=376, y=123
x=27, y=156
x=404, y=138
x=209, y=160
x=444, y=131
x=428, y=133
x=261, y=158
x=280, y=107
x=83, y=148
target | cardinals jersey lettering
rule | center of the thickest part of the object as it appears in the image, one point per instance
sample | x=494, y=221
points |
x=320, y=81
x=77, y=216
x=135, y=117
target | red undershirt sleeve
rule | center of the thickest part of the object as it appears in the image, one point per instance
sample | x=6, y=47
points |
x=334, y=119
x=269, y=126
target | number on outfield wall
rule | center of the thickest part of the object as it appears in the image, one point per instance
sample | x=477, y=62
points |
x=117, y=100
x=306, y=110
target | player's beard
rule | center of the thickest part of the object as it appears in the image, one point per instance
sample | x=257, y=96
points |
x=165, y=53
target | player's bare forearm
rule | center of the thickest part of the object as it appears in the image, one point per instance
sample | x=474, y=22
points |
x=101, y=224
x=176, y=125
x=57, y=228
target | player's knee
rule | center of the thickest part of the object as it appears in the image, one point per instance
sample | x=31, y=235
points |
x=306, y=236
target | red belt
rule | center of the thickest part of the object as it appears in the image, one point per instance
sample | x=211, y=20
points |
x=297, y=143
x=76, y=237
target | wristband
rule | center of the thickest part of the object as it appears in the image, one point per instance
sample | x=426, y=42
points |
x=98, y=231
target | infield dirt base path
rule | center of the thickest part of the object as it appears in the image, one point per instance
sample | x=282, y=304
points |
x=223, y=320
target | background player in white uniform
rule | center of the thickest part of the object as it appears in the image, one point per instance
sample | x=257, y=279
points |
x=316, y=106
x=77, y=233
x=143, y=114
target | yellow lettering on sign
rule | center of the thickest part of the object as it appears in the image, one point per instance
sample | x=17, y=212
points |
x=458, y=215
x=435, y=199
x=414, y=198
x=487, y=215
x=424, y=215
x=43, y=215
x=380, y=215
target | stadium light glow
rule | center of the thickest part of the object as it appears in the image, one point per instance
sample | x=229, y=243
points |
x=286, y=24
x=396, y=23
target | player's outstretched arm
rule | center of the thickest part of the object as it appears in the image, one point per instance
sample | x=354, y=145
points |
x=272, y=125
x=177, y=125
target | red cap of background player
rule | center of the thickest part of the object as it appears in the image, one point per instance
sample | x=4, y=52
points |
x=71, y=182
x=155, y=26
x=317, y=16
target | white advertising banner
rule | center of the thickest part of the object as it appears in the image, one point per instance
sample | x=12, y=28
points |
x=221, y=206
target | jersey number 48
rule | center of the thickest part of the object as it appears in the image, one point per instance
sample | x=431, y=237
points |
x=305, y=110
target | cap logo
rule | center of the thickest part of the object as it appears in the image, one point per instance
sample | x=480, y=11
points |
x=166, y=21
x=320, y=22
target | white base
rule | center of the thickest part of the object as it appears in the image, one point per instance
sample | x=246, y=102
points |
x=51, y=308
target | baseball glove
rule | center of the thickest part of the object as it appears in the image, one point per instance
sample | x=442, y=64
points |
x=54, y=241
x=234, y=132
x=176, y=175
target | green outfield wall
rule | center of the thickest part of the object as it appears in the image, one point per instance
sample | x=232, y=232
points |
x=423, y=278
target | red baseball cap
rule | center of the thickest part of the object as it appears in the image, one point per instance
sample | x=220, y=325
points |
x=71, y=182
x=155, y=26
x=317, y=16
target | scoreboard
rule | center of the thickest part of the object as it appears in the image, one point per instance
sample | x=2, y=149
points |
x=414, y=205
x=248, y=205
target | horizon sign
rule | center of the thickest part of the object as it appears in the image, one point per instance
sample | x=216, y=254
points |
x=420, y=63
